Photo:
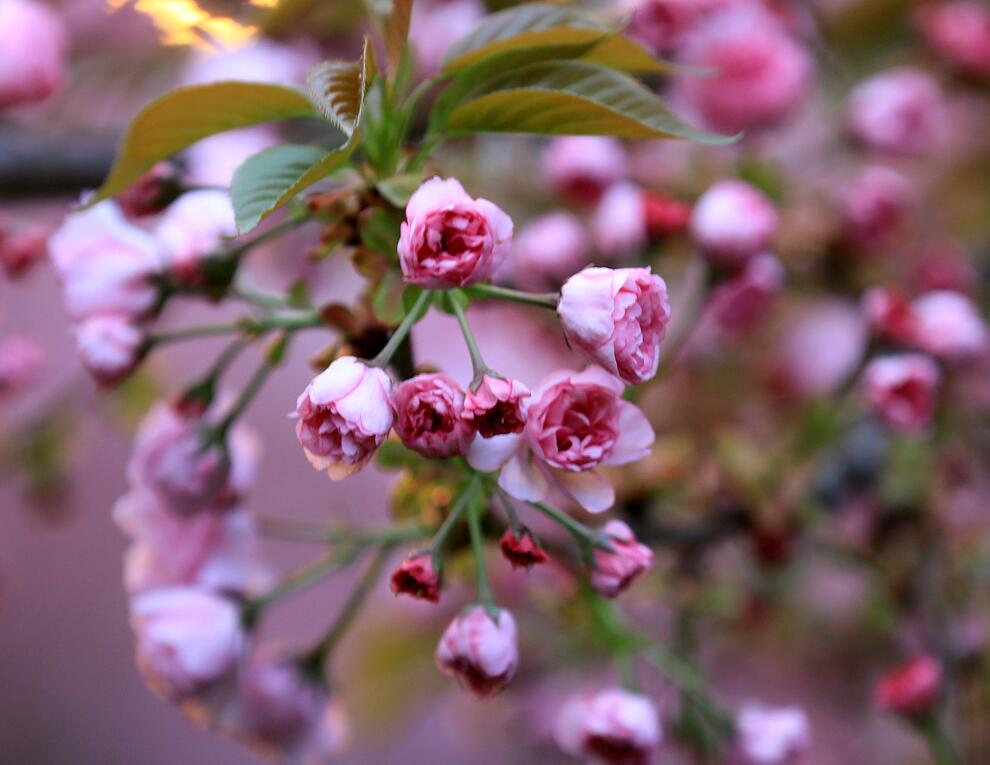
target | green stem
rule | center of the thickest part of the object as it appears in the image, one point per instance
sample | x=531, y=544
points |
x=318, y=533
x=485, y=596
x=687, y=679
x=440, y=537
x=478, y=366
x=542, y=299
x=510, y=511
x=939, y=742
x=254, y=385
x=191, y=333
x=412, y=316
x=578, y=529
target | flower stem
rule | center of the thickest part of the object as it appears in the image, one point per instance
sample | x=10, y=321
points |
x=412, y=316
x=578, y=529
x=485, y=596
x=257, y=381
x=510, y=511
x=318, y=533
x=478, y=366
x=939, y=743
x=440, y=537
x=542, y=299
x=192, y=333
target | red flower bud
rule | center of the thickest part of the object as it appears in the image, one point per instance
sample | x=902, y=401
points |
x=522, y=551
x=912, y=688
x=417, y=577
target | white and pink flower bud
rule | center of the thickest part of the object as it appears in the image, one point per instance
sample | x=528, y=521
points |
x=912, y=689
x=740, y=303
x=549, y=249
x=345, y=414
x=188, y=641
x=771, y=735
x=619, y=226
x=582, y=167
x=438, y=24
x=496, y=407
x=616, y=569
x=192, y=228
x=480, y=650
x=175, y=457
x=21, y=360
x=109, y=347
x=107, y=265
x=899, y=111
x=875, y=206
x=450, y=239
x=32, y=52
x=948, y=325
x=618, y=317
x=902, y=390
x=762, y=73
x=732, y=221
x=611, y=726
x=428, y=416
x=959, y=32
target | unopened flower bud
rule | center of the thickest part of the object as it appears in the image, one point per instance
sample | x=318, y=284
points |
x=902, y=390
x=612, y=726
x=896, y=112
x=732, y=222
x=771, y=735
x=32, y=52
x=428, y=419
x=521, y=551
x=109, y=347
x=480, y=650
x=615, y=570
x=912, y=688
x=416, y=576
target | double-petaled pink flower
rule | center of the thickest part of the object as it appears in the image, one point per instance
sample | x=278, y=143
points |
x=193, y=228
x=480, y=650
x=618, y=318
x=547, y=250
x=898, y=111
x=732, y=221
x=577, y=421
x=496, y=407
x=450, y=239
x=741, y=302
x=612, y=726
x=582, y=167
x=902, y=390
x=345, y=414
x=614, y=570
x=32, y=52
x=429, y=416
x=948, y=325
x=109, y=347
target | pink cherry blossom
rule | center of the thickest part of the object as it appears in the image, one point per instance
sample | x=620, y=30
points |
x=109, y=348
x=959, y=31
x=188, y=640
x=911, y=689
x=948, y=325
x=192, y=228
x=345, y=414
x=618, y=318
x=875, y=206
x=616, y=569
x=480, y=650
x=582, y=167
x=771, y=735
x=890, y=315
x=20, y=250
x=613, y=726
x=428, y=416
x=450, y=239
x=740, y=303
x=21, y=361
x=902, y=390
x=732, y=221
x=547, y=250
x=898, y=111
x=107, y=265
x=762, y=72
x=619, y=226
x=32, y=52
x=496, y=406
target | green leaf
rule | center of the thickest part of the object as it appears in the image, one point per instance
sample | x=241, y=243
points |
x=568, y=98
x=525, y=27
x=387, y=301
x=399, y=188
x=182, y=117
x=337, y=88
x=409, y=297
x=619, y=52
x=266, y=181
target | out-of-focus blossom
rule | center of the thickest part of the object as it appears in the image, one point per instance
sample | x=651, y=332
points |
x=820, y=348
x=948, y=325
x=214, y=160
x=582, y=167
x=762, y=72
x=214, y=551
x=613, y=726
x=665, y=215
x=547, y=250
x=902, y=390
x=958, y=31
x=899, y=111
x=911, y=689
x=417, y=577
x=943, y=264
x=616, y=569
x=740, y=303
x=109, y=348
x=436, y=25
x=188, y=641
x=661, y=25
x=20, y=249
x=450, y=239
x=618, y=317
x=875, y=206
x=175, y=457
x=732, y=221
x=261, y=61
x=32, y=52
x=151, y=193
x=286, y=714
x=619, y=226
x=192, y=228
x=890, y=314
x=21, y=361
x=496, y=407
x=480, y=650
x=428, y=419
x=521, y=551
x=107, y=265
x=576, y=422
x=771, y=735
x=345, y=414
